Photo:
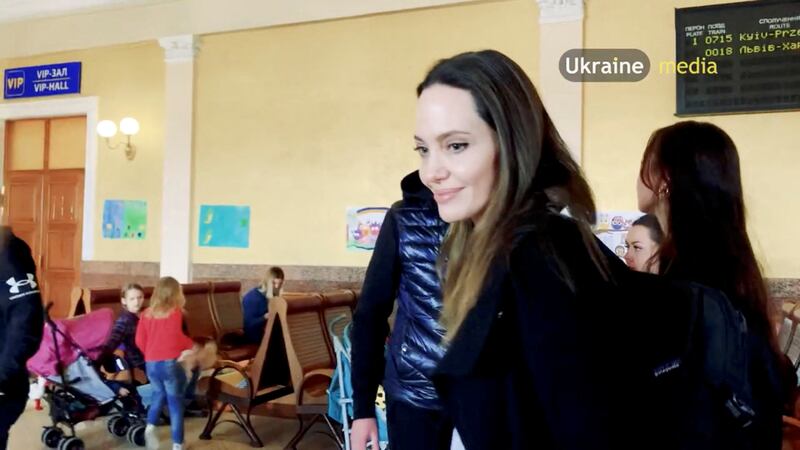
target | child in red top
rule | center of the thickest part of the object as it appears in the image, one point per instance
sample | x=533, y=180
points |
x=160, y=337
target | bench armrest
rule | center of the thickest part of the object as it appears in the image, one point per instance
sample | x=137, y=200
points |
x=315, y=376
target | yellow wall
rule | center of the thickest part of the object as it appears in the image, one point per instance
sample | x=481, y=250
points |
x=121, y=22
x=129, y=80
x=619, y=117
x=300, y=122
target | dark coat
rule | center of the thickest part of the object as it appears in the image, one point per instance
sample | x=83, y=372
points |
x=539, y=364
x=521, y=373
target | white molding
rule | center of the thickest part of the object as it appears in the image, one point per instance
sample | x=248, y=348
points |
x=67, y=107
x=557, y=11
x=180, y=48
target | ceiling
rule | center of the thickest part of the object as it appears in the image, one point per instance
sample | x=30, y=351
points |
x=20, y=10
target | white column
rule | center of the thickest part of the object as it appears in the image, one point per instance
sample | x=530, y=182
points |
x=561, y=29
x=176, y=220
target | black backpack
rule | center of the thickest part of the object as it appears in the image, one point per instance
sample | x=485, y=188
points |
x=711, y=384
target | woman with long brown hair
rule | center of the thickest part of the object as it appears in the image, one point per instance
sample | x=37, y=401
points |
x=516, y=272
x=690, y=180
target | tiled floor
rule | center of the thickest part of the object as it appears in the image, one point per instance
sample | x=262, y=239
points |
x=275, y=433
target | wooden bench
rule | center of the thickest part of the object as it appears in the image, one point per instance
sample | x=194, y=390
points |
x=310, y=354
x=226, y=307
x=85, y=300
x=241, y=388
x=296, y=339
x=199, y=315
x=212, y=312
x=336, y=304
x=789, y=340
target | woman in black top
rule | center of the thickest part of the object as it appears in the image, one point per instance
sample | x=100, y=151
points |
x=690, y=179
x=518, y=276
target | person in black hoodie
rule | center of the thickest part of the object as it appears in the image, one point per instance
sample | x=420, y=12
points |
x=21, y=323
x=403, y=268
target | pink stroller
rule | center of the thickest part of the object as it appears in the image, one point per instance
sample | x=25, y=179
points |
x=75, y=391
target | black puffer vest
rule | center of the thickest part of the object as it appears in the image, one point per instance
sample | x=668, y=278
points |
x=414, y=346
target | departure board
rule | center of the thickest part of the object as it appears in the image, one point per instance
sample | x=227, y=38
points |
x=738, y=57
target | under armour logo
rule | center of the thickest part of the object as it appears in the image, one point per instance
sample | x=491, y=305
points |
x=15, y=285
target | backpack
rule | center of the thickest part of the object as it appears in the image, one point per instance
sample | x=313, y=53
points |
x=711, y=382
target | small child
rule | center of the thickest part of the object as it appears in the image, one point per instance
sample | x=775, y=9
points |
x=161, y=338
x=123, y=334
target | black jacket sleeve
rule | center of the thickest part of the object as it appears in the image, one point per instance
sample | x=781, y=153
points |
x=370, y=321
x=22, y=311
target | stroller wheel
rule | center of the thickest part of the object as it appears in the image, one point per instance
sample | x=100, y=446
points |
x=111, y=421
x=51, y=436
x=71, y=443
x=119, y=427
x=136, y=435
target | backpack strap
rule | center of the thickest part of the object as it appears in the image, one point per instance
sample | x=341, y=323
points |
x=726, y=359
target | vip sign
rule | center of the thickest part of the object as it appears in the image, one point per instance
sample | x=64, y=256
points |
x=39, y=81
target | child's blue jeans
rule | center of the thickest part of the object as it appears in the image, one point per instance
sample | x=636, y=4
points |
x=168, y=383
x=145, y=391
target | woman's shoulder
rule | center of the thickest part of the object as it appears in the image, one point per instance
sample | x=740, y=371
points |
x=550, y=230
x=556, y=242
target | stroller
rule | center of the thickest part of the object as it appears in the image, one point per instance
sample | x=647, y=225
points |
x=340, y=392
x=75, y=391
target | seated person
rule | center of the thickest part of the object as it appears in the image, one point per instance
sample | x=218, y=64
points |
x=642, y=242
x=123, y=333
x=255, y=304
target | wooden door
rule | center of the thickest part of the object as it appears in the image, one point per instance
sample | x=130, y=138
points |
x=24, y=209
x=61, y=244
x=44, y=188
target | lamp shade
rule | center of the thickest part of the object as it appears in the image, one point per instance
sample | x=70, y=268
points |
x=106, y=128
x=129, y=126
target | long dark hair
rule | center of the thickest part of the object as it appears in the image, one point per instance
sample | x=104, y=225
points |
x=535, y=174
x=706, y=232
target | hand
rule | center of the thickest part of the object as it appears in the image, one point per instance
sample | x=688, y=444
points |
x=364, y=431
x=186, y=355
x=123, y=392
x=188, y=359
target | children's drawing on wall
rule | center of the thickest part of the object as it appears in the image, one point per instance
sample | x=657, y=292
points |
x=124, y=219
x=363, y=226
x=224, y=226
x=612, y=226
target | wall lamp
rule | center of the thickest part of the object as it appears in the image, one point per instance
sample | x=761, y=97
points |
x=128, y=126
